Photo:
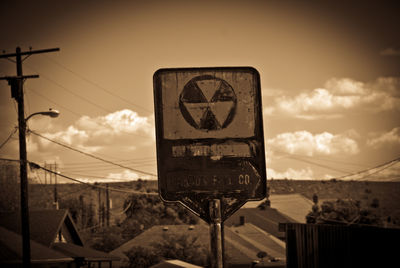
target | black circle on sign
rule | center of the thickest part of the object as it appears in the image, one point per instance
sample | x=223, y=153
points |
x=208, y=103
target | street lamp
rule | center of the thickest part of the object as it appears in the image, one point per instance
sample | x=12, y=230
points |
x=24, y=180
x=52, y=113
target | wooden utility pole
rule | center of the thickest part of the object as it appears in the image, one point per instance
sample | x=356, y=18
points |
x=100, y=211
x=17, y=92
x=55, y=186
x=107, y=206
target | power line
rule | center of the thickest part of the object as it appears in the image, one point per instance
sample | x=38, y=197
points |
x=34, y=165
x=78, y=96
x=9, y=137
x=385, y=165
x=388, y=166
x=322, y=159
x=316, y=164
x=95, y=163
x=96, y=85
x=93, y=156
x=70, y=91
x=71, y=111
x=101, y=167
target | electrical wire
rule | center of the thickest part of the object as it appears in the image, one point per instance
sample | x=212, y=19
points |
x=91, y=155
x=95, y=84
x=322, y=159
x=34, y=165
x=96, y=163
x=317, y=164
x=103, y=168
x=384, y=165
x=9, y=137
x=70, y=91
x=65, y=108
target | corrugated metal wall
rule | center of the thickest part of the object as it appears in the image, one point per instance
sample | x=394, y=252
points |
x=312, y=245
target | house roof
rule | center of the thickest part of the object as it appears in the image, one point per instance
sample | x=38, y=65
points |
x=44, y=225
x=296, y=206
x=88, y=254
x=11, y=250
x=174, y=264
x=267, y=219
x=241, y=244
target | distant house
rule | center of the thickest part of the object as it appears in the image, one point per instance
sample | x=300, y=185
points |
x=295, y=206
x=266, y=219
x=174, y=264
x=242, y=243
x=55, y=230
x=41, y=256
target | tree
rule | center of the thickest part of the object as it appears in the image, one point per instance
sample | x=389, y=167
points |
x=107, y=239
x=81, y=213
x=140, y=257
x=172, y=246
x=343, y=212
x=9, y=187
x=149, y=210
x=183, y=247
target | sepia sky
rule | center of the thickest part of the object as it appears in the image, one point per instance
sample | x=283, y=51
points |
x=330, y=79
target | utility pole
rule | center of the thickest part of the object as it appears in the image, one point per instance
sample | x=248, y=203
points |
x=17, y=92
x=45, y=174
x=100, y=216
x=107, y=206
x=55, y=186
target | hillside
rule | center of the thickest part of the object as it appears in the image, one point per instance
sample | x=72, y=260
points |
x=42, y=196
x=388, y=193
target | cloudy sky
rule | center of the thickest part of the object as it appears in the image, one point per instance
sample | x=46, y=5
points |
x=330, y=79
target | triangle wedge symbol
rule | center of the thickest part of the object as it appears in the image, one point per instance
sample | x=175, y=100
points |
x=208, y=87
x=196, y=111
x=209, y=122
x=221, y=110
x=193, y=94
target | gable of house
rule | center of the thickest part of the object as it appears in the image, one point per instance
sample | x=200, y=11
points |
x=11, y=250
x=46, y=226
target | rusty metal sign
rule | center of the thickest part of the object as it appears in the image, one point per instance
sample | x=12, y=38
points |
x=210, y=142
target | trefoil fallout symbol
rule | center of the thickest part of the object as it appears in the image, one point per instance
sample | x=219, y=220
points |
x=208, y=103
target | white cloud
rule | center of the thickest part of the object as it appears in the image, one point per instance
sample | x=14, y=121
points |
x=115, y=130
x=305, y=143
x=302, y=174
x=388, y=138
x=338, y=96
x=345, y=86
x=126, y=175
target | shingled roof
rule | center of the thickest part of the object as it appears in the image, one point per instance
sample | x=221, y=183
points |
x=11, y=250
x=44, y=225
x=241, y=244
x=86, y=253
x=267, y=219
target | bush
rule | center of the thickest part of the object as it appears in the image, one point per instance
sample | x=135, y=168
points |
x=344, y=212
x=140, y=257
x=107, y=239
x=182, y=247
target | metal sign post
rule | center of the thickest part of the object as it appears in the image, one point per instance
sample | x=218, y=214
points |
x=210, y=142
x=216, y=241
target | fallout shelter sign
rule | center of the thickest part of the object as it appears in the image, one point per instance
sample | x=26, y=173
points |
x=210, y=142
